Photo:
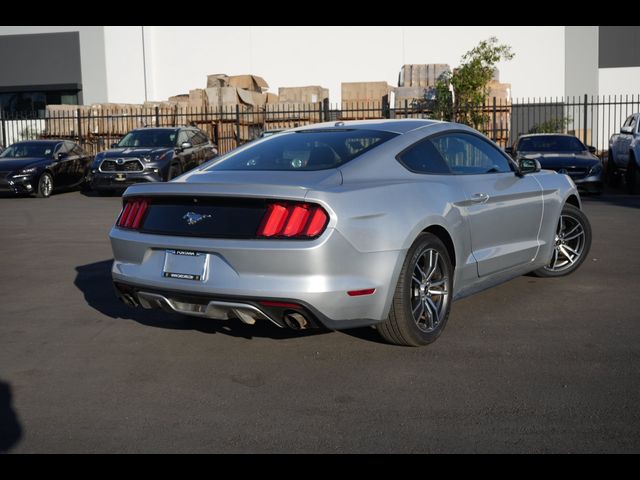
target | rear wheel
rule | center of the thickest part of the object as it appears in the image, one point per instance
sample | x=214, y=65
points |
x=45, y=186
x=422, y=299
x=572, y=243
x=631, y=177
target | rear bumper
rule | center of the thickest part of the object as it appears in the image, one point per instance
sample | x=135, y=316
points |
x=316, y=274
x=121, y=180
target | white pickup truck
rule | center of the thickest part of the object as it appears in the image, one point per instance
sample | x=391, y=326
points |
x=624, y=154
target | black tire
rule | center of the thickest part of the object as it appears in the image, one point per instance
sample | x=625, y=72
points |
x=174, y=171
x=45, y=186
x=631, y=177
x=612, y=174
x=581, y=244
x=401, y=327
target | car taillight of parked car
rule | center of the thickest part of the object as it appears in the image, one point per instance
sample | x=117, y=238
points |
x=133, y=213
x=293, y=220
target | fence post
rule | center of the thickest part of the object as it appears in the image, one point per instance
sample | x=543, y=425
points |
x=79, y=126
x=325, y=106
x=386, y=113
x=237, y=125
x=495, y=123
x=584, y=120
x=4, y=129
x=320, y=112
x=157, y=116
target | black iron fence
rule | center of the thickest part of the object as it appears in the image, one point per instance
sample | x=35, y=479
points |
x=590, y=118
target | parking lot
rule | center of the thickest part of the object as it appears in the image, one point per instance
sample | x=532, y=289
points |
x=535, y=365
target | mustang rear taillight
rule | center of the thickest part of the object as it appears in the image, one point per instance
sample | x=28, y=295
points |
x=133, y=214
x=293, y=220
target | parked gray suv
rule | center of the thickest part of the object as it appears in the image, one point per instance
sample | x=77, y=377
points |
x=150, y=155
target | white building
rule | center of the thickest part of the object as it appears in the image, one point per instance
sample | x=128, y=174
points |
x=128, y=64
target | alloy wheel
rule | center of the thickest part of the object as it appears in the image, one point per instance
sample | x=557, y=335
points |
x=429, y=293
x=569, y=244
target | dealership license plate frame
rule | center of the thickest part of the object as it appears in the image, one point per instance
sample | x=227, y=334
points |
x=185, y=265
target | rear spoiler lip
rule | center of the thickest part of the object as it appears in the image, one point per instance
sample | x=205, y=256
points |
x=244, y=190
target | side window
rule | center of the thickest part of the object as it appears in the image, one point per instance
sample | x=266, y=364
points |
x=629, y=121
x=60, y=148
x=202, y=138
x=423, y=157
x=182, y=137
x=77, y=151
x=468, y=154
x=632, y=123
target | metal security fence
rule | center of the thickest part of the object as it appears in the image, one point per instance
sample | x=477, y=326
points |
x=96, y=128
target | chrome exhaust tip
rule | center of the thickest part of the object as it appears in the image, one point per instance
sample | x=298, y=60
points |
x=295, y=321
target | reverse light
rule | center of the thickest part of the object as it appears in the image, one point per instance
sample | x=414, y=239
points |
x=293, y=220
x=133, y=214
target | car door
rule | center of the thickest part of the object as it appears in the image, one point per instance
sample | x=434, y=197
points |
x=185, y=155
x=60, y=167
x=503, y=210
x=623, y=143
x=209, y=150
x=81, y=164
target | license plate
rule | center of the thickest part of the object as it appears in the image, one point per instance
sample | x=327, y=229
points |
x=185, y=265
x=121, y=177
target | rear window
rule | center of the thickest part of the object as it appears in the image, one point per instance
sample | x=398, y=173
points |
x=304, y=151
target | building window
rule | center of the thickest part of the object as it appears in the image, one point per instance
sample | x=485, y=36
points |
x=35, y=102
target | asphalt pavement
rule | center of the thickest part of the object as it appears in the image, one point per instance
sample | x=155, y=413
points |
x=534, y=365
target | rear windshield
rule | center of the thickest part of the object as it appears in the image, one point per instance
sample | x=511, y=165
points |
x=304, y=151
x=550, y=143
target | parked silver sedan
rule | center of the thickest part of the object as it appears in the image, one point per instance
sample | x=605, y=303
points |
x=344, y=225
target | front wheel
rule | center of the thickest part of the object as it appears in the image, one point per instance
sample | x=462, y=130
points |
x=422, y=299
x=572, y=243
x=45, y=186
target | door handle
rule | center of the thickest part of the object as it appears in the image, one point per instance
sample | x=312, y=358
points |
x=479, y=197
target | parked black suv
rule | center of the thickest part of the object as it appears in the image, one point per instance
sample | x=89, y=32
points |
x=150, y=155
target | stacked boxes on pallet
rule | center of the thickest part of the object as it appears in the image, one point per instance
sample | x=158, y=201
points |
x=364, y=100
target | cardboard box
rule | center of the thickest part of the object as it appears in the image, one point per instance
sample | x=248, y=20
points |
x=182, y=98
x=421, y=75
x=502, y=91
x=198, y=98
x=217, y=80
x=365, y=91
x=308, y=94
x=253, y=83
x=271, y=98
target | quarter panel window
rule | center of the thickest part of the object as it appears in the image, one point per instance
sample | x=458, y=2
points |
x=423, y=157
x=470, y=155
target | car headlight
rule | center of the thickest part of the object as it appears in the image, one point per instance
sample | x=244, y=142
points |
x=596, y=169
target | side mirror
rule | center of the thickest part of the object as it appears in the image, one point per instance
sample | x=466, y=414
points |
x=508, y=150
x=529, y=165
x=626, y=130
x=592, y=149
x=186, y=146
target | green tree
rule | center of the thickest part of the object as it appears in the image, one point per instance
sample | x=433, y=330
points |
x=555, y=125
x=470, y=83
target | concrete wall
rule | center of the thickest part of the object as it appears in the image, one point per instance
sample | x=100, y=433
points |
x=327, y=56
x=581, y=60
x=125, y=66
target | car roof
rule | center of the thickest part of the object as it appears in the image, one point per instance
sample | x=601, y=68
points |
x=393, y=125
x=168, y=129
x=548, y=135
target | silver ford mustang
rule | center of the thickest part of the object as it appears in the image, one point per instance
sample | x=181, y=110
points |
x=347, y=224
